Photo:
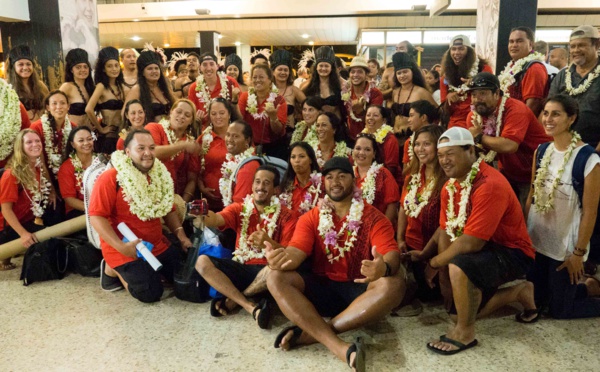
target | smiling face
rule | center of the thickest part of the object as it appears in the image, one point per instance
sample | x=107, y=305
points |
x=261, y=80
x=373, y=69
x=112, y=68
x=152, y=73
x=281, y=73
x=141, y=150
x=324, y=128
x=219, y=115
x=136, y=116
x=309, y=114
x=300, y=161
x=339, y=185
x=24, y=68
x=458, y=53
x=456, y=161
x=519, y=45
x=235, y=141
x=232, y=71
x=81, y=71
x=181, y=116
x=555, y=119
x=484, y=101
x=323, y=69
x=208, y=68
x=583, y=51
x=83, y=142
x=373, y=119
x=425, y=149
x=32, y=145
x=263, y=187
x=358, y=76
x=404, y=76
x=58, y=106
x=363, y=152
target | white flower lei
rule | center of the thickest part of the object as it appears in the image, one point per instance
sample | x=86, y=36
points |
x=54, y=155
x=464, y=87
x=147, y=200
x=298, y=133
x=414, y=202
x=203, y=93
x=380, y=133
x=40, y=194
x=582, y=88
x=207, y=139
x=310, y=198
x=79, y=170
x=542, y=175
x=252, y=106
x=477, y=122
x=227, y=170
x=347, y=94
x=349, y=228
x=340, y=150
x=10, y=118
x=311, y=137
x=368, y=185
x=245, y=251
x=455, y=224
x=507, y=77
x=411, y=147
x=166, y=125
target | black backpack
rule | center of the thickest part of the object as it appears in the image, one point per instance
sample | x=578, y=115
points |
x=43, y=261
x=83, y=257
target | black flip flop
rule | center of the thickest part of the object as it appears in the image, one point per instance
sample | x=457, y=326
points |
x=265, y=313
x=213, y=306
x=359, y=359
x=297, y=331
x=520, y=317
x=458, y=344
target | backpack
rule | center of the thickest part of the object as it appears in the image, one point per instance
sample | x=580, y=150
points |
x=521, y=74
x=83, y=257
x=43, y=261
x=279, y=164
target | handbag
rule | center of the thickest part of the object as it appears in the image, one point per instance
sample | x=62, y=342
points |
x=83, y=257
x=44, y=261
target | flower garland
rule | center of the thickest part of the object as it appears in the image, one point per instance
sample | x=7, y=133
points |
x=207, y=138
x=311, y=137
x=227, y=169
x=411, y=147
x=79, y=170
x=310, y=198
x=147, y=200
x=40, y=193
x=581, y=88
x=381, y=133
x=252, y=106
x=492, y=126
x=245, y=251
x=298, y=133
x=415, y=202
x=166, y=125
x=368, y=185
x=204, y=94
x=10, y=118
x=54, y=154
x=340, y=150
x=455, y=224
x=349, y=228
x=464, y=87
x=542, y=175
x=507, y=77
x=347, y=95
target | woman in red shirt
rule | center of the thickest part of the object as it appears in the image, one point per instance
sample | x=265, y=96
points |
x=331, y=138
x=376, y=182
x=302, y=185
x=79, y=155
x=375, y=124
x=134, y=117
x=305, y=129
x=25, y=192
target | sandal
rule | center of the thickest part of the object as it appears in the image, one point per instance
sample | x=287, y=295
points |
x=520, y=317
x=458, y=344
x=293, y=341
x=220, y=302
x=264, y=316
x=359, y=359
x=6, y=266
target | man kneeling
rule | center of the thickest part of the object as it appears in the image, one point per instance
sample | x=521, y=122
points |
x=355, y=278
x=260, y=218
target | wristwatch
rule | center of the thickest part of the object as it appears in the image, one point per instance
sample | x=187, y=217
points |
x=477, y=138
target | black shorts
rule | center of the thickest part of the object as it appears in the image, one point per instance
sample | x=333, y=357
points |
x=328, y=296
x=491, y=267
x=241, y=275
x=143, y=282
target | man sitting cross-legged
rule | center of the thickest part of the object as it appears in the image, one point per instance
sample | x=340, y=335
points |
x=260, y=218
x=355, y=278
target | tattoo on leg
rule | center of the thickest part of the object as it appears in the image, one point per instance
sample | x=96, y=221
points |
x=259, y=284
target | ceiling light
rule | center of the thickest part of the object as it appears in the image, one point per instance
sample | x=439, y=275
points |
x=136, y=38
x=237, y=43
x=203, y=11
x=220, y=36
x=311, y=43
x=136, y=20
x=167, y=45
x=305, y=36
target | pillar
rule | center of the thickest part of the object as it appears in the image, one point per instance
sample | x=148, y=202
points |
x=209, y=42
x=244, y=52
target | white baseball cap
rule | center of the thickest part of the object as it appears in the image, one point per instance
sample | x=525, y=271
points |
x=456, y=136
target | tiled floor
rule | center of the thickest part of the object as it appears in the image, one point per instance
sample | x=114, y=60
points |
x=71, y=325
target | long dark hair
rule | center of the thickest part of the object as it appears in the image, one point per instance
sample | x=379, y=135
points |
x=51, y=119
x=436, y=132
x=417, y=79
x=232, y=113
x=37, y=90
x=101, y=77
x=339, y=128
x=146, y=96
x=290, y=173
x=88, y=84
x=377, y=149
x=69, y=149
x=452, y=73
x=313, y=89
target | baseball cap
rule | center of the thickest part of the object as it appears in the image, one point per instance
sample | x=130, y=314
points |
x=484, y=80
x=457, y=136
x=339, y=163
x=460, y=40
x=585, y=31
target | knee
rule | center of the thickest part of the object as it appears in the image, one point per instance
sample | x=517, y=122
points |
x=393, y=288
x=455, y=273
x=274, y=279
x=151, y=294
x=203, y=263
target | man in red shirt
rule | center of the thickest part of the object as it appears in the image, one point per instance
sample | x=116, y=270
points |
x=358, y=95
x=482, y=239
x=525, y=78
x=520, y=132
x=117, y=197
x=355, y=275
x=260, y=218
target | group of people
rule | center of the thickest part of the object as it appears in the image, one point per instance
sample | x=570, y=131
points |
x=497, y=183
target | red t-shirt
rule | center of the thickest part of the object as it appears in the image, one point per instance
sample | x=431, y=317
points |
x=459, y=109
x=386, y=189
x=106, y=201
x=298, y=193
x=67, y=183
x=263, y=125
x=391, y=157
x=12, y=192
x=493, y=212
x=355, y=127
x=213, y=160
x=58, y=139
x=242, y=186
x=286, y=223
x=121, y=144
x=533, y=84
x=193, y=95
x=25, y=123
x=181, y=165
x=520, y=125
x=375, y=230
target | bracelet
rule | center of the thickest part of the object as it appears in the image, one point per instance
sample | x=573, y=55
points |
x=188, y=193
x=582, y=250
x=578, y=255
x=388, y=269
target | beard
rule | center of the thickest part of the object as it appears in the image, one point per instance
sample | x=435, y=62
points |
x=343, y=196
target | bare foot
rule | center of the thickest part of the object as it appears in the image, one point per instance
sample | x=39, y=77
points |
x=225, y=306
x=7, y=265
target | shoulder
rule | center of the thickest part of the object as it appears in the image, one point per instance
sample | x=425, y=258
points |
x=66, y=166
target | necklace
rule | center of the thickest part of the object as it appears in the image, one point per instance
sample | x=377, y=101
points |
x=172, y=138
x=512, y=69
x=492, y=126
x=81, y=92
x=10, y=118
x=464, y=87
x=40, y=193
x=299, y=131
x=227, y=169
x=368, y=185
x=381, y=133
x=269, y=217
x=55, y=153
x=542, y=175
x=584, y=85
x=411, y=153
x=310, y=198
x=455, y=224
x=340, y=149
x=203, y=92
x=117, y=96
x=347, y=98
x=79, y=169
x=349, y=228
x=149, y=195
x=252, y=106
x=415, y=202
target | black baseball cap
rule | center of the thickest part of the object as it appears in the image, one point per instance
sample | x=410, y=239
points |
x=484, y=80
x=340, y=163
